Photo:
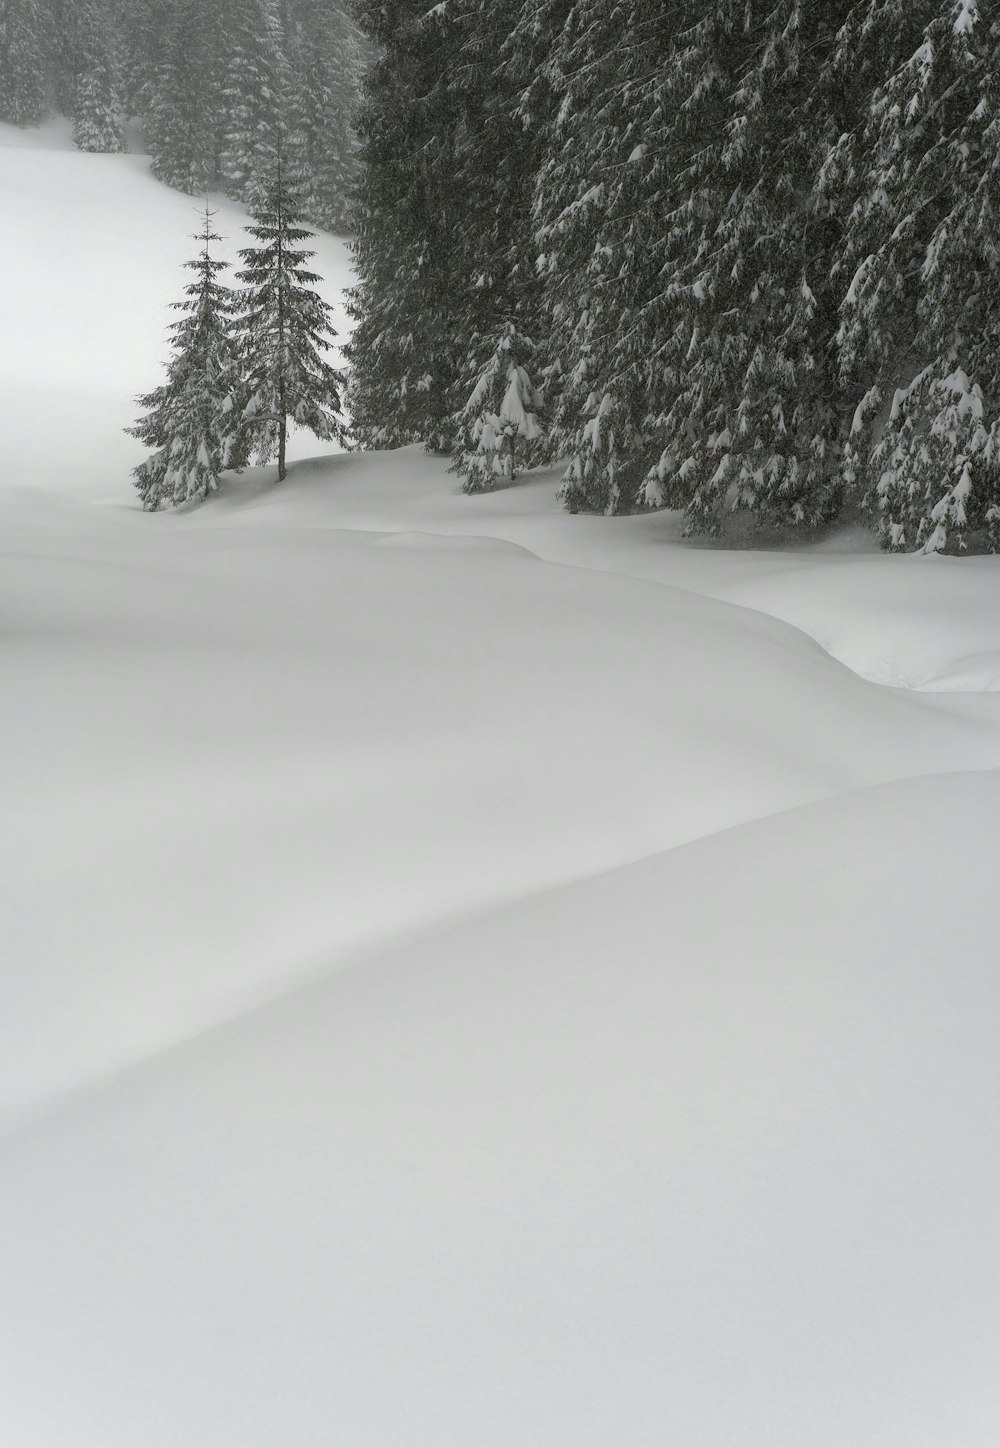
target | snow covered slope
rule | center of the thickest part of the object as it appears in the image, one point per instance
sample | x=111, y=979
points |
x=234, y=754
x=696, y=1152
x=470, y=977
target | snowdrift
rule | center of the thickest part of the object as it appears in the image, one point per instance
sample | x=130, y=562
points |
x=469, y=975
x=697, y=1151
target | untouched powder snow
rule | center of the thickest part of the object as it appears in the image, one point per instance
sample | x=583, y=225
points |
x=698, y=1151
x=235, y=753
x=910, y=621
x=470, y=977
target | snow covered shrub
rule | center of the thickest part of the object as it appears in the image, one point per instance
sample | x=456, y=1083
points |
x=937, y=466
x=499, y=429
x=193, y=419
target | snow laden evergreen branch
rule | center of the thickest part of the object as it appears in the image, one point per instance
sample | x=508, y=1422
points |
x=192, y=418
x=921, y=314
x=499, y=430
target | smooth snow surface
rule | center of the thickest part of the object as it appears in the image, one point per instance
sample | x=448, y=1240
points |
x=470, y=977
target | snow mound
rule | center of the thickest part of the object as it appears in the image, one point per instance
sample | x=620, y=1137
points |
x=903, y=621
x=699, y=1152
x=232, y=754
x=436, y=542
x=470, y=975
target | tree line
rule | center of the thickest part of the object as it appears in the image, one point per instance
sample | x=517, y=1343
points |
x=720, y=256
x=219, y=86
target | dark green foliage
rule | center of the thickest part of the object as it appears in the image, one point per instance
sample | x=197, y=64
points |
x=755, y=244
x=226, y=87
x=756, y=423
x=601, y=216
x=220, y=88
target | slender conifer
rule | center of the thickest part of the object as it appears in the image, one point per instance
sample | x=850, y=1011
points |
x=192, y=419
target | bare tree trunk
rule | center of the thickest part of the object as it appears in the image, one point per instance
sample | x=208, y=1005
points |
x=282, y=434
x=282, y=410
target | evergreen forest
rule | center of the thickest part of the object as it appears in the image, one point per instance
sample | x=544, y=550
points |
x=218, y=88
x=723, y=256
x=748, y=250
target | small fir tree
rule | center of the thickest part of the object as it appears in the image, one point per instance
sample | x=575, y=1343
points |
x=499, y=429
x=284, y=329
x=193, y=419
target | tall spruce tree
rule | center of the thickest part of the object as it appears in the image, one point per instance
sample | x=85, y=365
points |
x=443, y=241
x=406, y=347
x=98, y=82
x=755, y=424
x=284, y=328
x=685, y=323
x=193, y=418
x=23, y=61
x=921, y=315
x=601, y=208
x=254, y=88
x=181, y=103
x=144, y=26
x=325, y=54
x=496, y=157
